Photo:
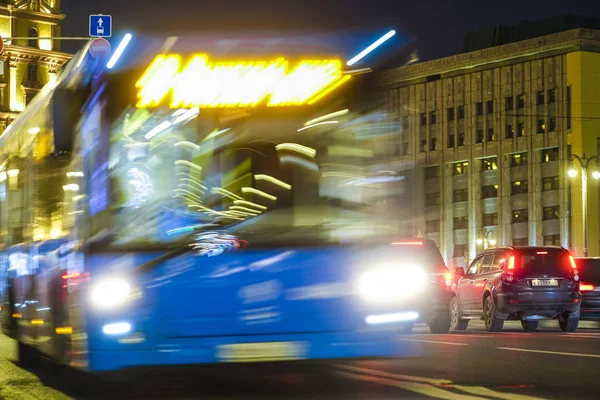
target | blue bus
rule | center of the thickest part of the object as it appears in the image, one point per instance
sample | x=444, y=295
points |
x=179, y=210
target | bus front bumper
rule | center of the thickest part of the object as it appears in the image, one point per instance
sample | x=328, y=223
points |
x=267, y=348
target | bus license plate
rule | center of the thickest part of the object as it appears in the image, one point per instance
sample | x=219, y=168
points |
x=544, y=282
x=261, y=352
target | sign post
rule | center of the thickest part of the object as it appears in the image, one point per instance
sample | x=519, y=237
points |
x=100, y=26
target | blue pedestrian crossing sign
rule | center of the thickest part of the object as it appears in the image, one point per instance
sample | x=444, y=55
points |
x=100, y=25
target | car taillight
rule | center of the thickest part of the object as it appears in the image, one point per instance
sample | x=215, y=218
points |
x=448, y=277
x=585, y=287
x=574, y=268
x=509, y=274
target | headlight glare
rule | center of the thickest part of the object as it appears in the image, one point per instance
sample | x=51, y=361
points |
x=109, y=293
x=390, y=284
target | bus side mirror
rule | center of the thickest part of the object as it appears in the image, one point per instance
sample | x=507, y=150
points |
x=65, y=111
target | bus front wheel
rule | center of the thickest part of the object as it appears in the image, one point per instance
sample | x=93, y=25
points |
x=28, y=356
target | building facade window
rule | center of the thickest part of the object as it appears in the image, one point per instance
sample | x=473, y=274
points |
x=521, y=101
x=519, y=187
x=423, y=119
x=432, y=117
x=521, y=242
x=541, y=126
x=509, y=103
x=489, y=106
x=552, y=240
x=521, y=129
x=550, y=183
x=460, y=168
x=479, y=108
x=479, y=136
x=405, y=147
x=510, y=131
x=451, y=141
x=461, y=112
x=490, y=219
x=520, y=216
x=518, y=159
x=551, y=96
x=489, y=164
x=423, y=145
x=432, y=144
x=551, y=124
x=460, y=195
x=450, y=112
x=460, y=223
x=551, y=212
x=540, y=97
x=461, y=139
x=432, y=172
x=490, y=191
x=34, y=41
x=432, y=226
x=549, y=155
x=32, y=72
x=490, y=135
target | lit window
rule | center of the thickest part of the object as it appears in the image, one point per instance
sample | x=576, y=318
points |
x=460, y=168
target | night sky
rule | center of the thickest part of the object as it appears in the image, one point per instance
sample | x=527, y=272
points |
x=437, y=26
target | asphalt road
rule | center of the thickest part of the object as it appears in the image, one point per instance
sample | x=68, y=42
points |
x=474, y=364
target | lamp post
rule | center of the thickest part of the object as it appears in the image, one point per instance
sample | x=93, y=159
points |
x=484, y=238
x=584, y=163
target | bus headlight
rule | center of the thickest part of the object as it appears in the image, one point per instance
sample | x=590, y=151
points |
x=391, y=284
x=109, y=293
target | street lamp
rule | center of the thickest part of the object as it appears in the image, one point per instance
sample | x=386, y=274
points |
x=584, y=163
x=484, y=238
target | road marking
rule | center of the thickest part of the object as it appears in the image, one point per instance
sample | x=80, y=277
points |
x=483, y=391
x=454, y=335
x=580, y=336
x=434, y=341
x=560, y=353
x=420, y=388
x=427, y=386
x=395, y=376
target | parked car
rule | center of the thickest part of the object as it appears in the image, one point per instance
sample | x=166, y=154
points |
x=528, y=284
x=589, y=286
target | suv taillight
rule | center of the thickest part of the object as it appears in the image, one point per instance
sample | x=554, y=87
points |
x=509, y=273
x=574, y=268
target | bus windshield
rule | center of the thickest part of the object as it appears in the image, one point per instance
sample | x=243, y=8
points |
x=159, y=174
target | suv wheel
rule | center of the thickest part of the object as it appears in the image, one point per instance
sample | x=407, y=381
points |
x=456, y=323
x=492, y=324
x=440, y=324
x=567, y=324
x=529, y=326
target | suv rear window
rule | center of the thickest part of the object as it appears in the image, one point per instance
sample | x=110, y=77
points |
x=542, y=260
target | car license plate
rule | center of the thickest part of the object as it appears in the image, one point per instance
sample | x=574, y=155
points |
x=261, y=352
x=544, y=282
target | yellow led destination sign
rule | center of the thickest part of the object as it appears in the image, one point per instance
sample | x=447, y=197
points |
x=205, y=84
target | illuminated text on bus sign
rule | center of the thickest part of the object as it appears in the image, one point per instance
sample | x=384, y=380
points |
x=206, y=84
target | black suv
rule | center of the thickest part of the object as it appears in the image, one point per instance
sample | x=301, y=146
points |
x=517, y=283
